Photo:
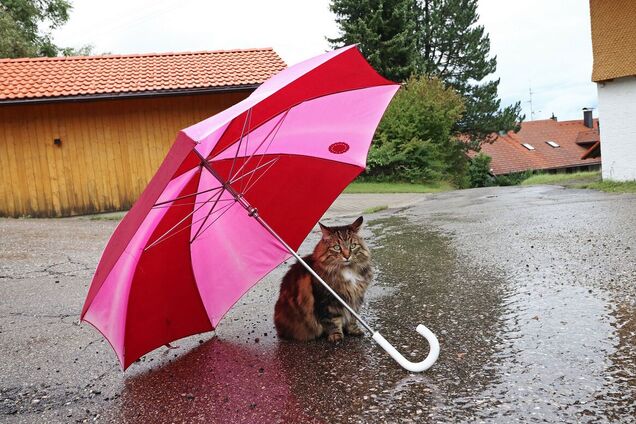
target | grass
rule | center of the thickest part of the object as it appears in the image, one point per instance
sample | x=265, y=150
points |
x=612, y=186
x=369, y=187
x=563, y=179
x=375, y=209
x=590, y=180
x=109, y=216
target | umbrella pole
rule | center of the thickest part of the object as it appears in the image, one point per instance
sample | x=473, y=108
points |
x=433, y=353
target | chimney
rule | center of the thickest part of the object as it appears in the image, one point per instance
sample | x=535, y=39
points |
x=553, y=117
x=588, y=121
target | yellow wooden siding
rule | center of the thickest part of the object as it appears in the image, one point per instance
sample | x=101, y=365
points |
x=110, y=150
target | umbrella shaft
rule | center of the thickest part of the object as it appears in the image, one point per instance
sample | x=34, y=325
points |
x=254, y=213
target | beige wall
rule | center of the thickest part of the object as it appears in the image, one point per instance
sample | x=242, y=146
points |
x=110, y=150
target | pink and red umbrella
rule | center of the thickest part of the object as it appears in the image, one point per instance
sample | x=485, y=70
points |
x=235, y=197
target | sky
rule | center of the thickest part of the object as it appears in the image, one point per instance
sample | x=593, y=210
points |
x=541, y=45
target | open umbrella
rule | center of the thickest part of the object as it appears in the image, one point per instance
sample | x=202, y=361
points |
x=235, y=197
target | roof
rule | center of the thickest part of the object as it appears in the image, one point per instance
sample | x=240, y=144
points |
x=613, y=38
x=576, y=144
x=62, y=78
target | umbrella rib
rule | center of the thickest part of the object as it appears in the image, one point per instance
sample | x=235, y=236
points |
x=215, y=219
x=186, y=196
x=247, y=139
x=280, y=121
x=209, y=213
x=254, y=170
x=190, y=204
x=262, y=155
x=177, y=224
x=225, y=207
x=261, y=176
x=238, y=149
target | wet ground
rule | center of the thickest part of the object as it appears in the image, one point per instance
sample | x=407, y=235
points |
x=531, y=290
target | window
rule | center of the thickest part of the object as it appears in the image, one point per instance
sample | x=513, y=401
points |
x=528, y=146
x=553, y=144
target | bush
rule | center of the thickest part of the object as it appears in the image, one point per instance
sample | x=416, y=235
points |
x=414, y=142
x=479, y=171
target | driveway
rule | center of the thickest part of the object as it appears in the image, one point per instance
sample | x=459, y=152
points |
x=531, y=290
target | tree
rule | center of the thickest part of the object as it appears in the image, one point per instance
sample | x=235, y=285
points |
x=414, y=139
x=25, y=26
x=454, y=48
x=384, y=32
x=438, y=38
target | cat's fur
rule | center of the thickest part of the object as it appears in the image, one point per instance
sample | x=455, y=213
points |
x=305, y=310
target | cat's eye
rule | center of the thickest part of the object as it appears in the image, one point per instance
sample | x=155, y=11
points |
x=354, y=245
x=336, y=248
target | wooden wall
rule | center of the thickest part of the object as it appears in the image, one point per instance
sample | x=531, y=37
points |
x=110, y=149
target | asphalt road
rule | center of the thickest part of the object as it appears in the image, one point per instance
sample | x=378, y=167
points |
x=531, y=290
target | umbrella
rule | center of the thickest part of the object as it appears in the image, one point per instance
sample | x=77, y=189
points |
x=235, y=196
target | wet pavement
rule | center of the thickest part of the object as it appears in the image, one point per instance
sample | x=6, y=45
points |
x=531, y=290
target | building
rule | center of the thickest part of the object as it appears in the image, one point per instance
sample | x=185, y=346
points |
x=547, y=145
x=85, y=134
x=614, y=71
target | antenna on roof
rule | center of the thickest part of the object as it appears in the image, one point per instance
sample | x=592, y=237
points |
x=532, y=113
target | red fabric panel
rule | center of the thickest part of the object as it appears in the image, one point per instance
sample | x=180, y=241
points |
x=133, y=219
x=352, y=69
x=164, y=303
x=294, y=193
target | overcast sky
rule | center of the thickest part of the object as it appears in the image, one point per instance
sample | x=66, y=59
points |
x=542, y=44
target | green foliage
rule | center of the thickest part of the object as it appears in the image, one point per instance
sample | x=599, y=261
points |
x=479, y=171
x=384, y=32
x=437, y=38
x=612, y=186
x=389, y=187
x=512, y=179
x=26, y=25
x=563, y=179
x=413, y=142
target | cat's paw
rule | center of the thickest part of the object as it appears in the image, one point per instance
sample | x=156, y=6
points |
x=335, y=337
x=354, y=330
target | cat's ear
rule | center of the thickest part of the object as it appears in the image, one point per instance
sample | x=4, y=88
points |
x=326, y=231
x=356, y=224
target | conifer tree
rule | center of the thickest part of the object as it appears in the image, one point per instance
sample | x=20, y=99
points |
x=436, y=38
x=383, y=30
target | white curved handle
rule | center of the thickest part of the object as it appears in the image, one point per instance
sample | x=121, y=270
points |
x=405, y=363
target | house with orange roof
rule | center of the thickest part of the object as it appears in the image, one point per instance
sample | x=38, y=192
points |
x=547, y=145
x=85, y=134
x=614, y=71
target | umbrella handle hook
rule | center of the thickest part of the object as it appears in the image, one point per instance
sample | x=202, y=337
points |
x=430, y=359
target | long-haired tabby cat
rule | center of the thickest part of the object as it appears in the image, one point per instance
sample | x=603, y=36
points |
x=305, y=310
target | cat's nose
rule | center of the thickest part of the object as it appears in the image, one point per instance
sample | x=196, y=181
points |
x=346, y=254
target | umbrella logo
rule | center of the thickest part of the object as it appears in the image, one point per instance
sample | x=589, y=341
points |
x=339, y=148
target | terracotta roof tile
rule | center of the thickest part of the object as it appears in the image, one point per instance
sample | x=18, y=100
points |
x=509, y=155
x=30, y=78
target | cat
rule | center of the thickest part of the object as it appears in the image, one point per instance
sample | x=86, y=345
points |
x=305, y=310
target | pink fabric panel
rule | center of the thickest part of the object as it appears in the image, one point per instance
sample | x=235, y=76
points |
x=208, y=127
x=232, y=255
x=108, y=310
x=312, y=127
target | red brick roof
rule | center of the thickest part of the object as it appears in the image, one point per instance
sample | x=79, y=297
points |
x=59, y=77
x=575, y=140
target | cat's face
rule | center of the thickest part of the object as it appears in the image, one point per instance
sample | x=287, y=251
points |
x=342, y=246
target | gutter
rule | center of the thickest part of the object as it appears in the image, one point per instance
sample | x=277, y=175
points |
x=130, y=95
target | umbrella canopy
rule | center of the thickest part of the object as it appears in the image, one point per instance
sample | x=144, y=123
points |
x=190, y=247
